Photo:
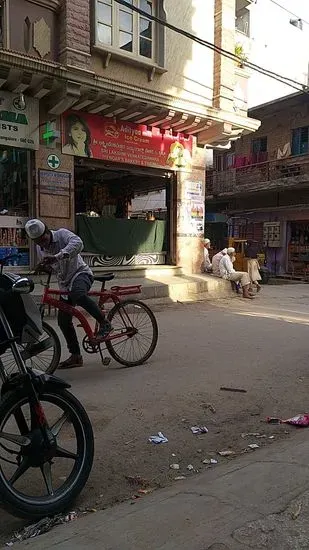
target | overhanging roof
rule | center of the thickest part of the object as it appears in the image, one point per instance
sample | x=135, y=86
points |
x=64, y=88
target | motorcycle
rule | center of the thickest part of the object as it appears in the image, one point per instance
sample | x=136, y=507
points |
x=43, y=427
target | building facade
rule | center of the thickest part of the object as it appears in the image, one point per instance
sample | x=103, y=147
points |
x=101, y=103
x=273, y=35
x=261, y=187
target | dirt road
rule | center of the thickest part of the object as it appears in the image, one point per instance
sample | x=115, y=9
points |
x=260, y=346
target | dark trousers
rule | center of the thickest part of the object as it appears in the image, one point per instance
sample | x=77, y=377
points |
x=78, y=296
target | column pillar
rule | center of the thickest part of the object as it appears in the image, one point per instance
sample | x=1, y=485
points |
x=190, y=214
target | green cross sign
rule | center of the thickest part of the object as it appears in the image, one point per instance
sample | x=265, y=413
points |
x=53, y=161
x=49, y=134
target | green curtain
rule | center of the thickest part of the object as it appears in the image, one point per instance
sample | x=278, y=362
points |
x=120, y=237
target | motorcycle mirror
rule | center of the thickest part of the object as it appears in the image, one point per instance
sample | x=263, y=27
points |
x=23, y=286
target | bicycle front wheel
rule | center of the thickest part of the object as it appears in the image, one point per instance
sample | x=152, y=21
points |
x=136, y=329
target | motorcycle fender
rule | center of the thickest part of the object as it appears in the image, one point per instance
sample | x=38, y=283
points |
x=41, y=381
x=45, y=382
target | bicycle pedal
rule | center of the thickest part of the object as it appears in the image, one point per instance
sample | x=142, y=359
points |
x=106, y=361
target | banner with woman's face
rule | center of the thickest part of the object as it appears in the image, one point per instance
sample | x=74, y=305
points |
x=89, y=135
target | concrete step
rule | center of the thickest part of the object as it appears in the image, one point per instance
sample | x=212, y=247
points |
x=121, y=272
x=134, y=271
x=182, y=288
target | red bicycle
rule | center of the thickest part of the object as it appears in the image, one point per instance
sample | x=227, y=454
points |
x=134, y=334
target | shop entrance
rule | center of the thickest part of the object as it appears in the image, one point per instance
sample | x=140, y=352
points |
x=298, y=247
x=125, y=214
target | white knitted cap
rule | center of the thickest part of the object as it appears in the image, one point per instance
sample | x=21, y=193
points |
x=35, y=229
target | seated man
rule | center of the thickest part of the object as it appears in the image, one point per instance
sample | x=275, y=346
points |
x=206, y=266
x=216, y=261
x=228, y=272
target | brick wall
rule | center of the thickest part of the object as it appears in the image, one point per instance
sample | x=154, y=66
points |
x=75, y=33
x=56, y=210
x=277, y=125
x=224, y=68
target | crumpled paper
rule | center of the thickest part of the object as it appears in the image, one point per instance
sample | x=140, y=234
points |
x=156, y=439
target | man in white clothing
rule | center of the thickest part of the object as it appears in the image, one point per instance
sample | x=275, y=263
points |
x=228, y=272
x=216, y=262
x=207, y=263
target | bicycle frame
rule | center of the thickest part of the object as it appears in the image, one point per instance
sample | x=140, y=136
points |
x=51, y=297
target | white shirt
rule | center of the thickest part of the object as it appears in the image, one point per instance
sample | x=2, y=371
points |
x=215, y=264
x=226, y=267
x=64, y=242
x=207, y=262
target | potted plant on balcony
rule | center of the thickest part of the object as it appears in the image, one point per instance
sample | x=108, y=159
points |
x=240, y=53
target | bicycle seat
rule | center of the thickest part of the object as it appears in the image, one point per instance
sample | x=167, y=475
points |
x=104, y=278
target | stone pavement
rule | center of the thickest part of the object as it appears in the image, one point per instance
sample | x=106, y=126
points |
x=256, y=501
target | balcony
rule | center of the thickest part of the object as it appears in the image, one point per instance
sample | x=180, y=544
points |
x=287, y=173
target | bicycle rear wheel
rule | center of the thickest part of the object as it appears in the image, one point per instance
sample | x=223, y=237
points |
x=137, y=328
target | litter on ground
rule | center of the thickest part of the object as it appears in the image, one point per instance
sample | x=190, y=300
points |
x=156, y=439
x=236, y=390
x=301, y=420
x=226, y=453
x=41, y=527
x=197, y=430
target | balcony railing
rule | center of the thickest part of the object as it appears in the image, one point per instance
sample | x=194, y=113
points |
x=286, y=172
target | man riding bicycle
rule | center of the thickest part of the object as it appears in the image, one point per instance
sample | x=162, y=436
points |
x=61, y=251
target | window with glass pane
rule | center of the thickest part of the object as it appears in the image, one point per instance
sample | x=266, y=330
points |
x=145, y=30
x=105, y=21
x=122, y=28
x=125, y=30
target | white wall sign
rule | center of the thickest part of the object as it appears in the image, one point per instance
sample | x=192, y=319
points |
x=53, y=161
x=19, y=121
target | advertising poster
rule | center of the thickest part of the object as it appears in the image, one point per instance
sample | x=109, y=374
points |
x=93, y=136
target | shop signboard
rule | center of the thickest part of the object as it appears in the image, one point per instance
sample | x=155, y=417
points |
x=54, y=194
x=19, y=121
x=94, y=136
x=55, y=183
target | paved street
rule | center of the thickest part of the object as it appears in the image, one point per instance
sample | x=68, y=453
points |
x=260, y=346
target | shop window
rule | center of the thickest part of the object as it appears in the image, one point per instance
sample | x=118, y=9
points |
x=121, y=30
x=259, y=145
x=300, y=141
x=14, y=204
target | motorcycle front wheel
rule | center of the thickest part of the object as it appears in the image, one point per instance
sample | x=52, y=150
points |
x=42, y=472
